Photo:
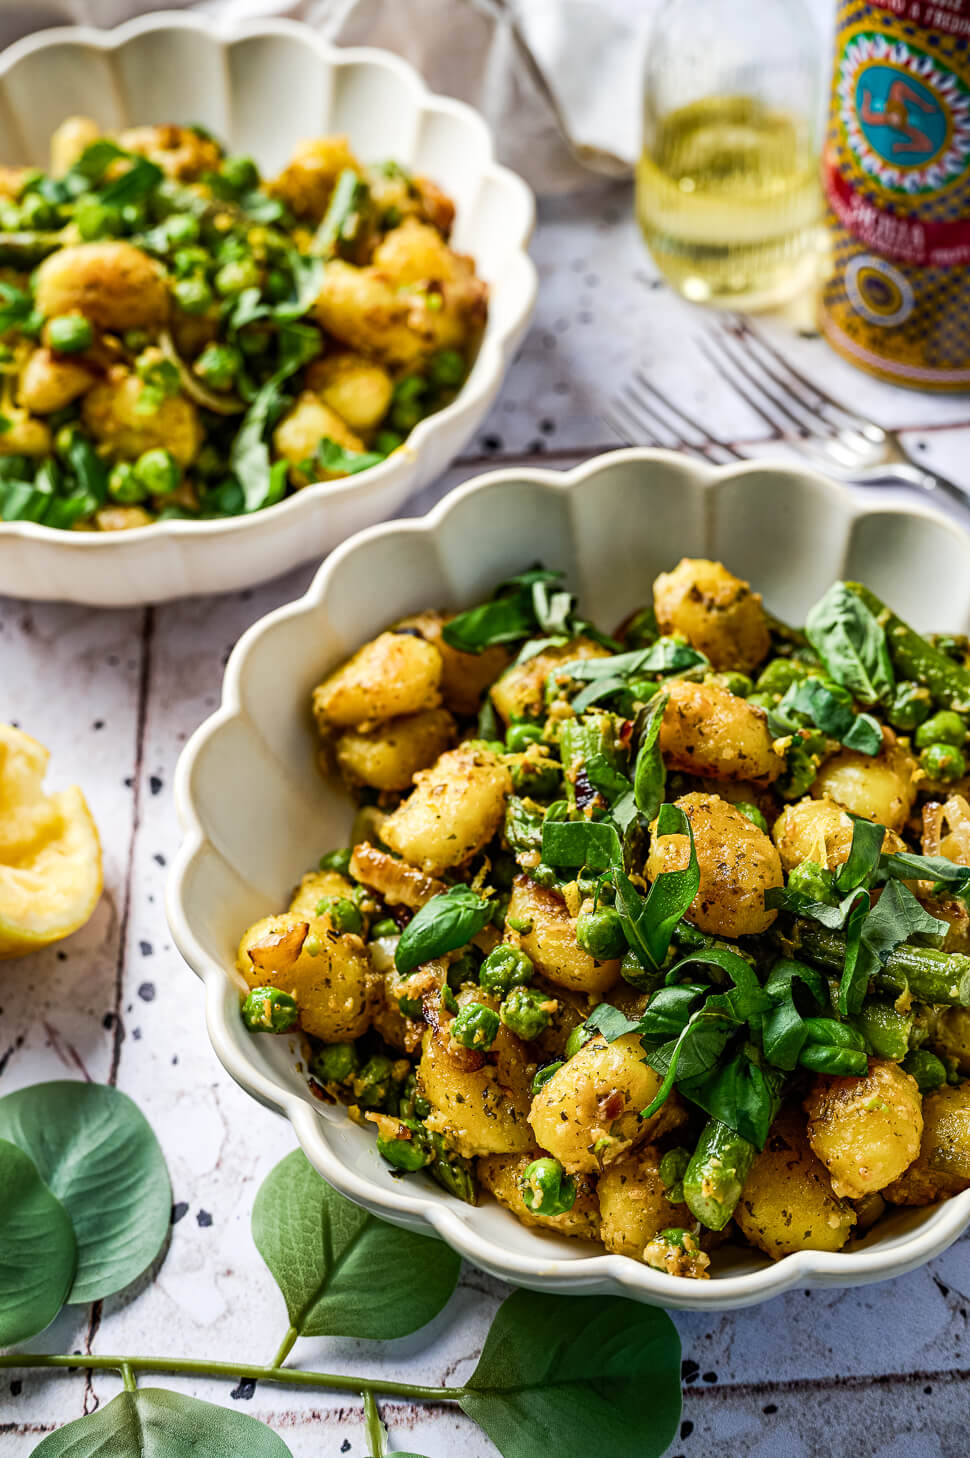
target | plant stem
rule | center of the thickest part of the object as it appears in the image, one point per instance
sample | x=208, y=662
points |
x=128, y=1377
x=196, y=1367
x=373, y=1427
x=286, y=1346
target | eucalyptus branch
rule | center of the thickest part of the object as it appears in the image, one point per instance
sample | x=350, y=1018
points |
x=200, y=1367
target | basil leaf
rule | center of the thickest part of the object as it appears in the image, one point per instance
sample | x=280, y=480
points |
x=443, y=924
x=697, y=1049
x=669, y=1011
x=94, y=1149
x=552, y=610
x=37, y=1249
x=783, y=1031
x=323, y=1252
x=153, y=1422
x=330, y=456
x=606, y=676
x=16, y=306
x=133, y=184
x=851, y=643
x=307, y=275
x=649, y=774
x=782, y=898
x=905, y=866
x=749, y=997
x=520, y=607
x=864, y=853
x=523, y=827
x=610, y=1022
x=648, y=923
x=741, y=1094
x=812, y=700
x=570, y=1377
x=870, y=938
x=577, y=843
x=89, y=468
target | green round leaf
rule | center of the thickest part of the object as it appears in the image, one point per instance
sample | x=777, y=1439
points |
x=343, y=1272
x=577, y=1375
x=37, y=1250
x=95, y=1150
x=154, y=1423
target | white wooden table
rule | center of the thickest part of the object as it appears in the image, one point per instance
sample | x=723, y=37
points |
x=883, y=1370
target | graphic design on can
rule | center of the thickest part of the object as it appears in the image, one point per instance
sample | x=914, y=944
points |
x=896, y=173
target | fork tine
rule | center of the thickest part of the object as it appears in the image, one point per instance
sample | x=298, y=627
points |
x=712, y=444
x=709, y=347
x=650, y=399
x=641, y=409
x=628, y=427
x=828, y=405
x=761, y=378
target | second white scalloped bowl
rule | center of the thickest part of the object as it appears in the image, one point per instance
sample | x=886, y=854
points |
x=257, y=813
x=262, y=86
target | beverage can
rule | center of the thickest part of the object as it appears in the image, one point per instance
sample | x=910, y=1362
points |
x=896, y=176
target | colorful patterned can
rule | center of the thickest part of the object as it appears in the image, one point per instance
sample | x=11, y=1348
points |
x=896, y=173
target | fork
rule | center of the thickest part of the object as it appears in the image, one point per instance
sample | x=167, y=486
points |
x=844, y=444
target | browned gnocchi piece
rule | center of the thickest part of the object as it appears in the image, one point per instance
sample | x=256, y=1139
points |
x=715, y=611
x=453, y=811
x=866, y=1131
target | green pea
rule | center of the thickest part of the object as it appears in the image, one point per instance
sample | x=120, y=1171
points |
x=446, y=368
x=505, y=967
x=344, y=915
x=543, y=875
x=525, y=1012
x=476, y=1026
x=337, y=860
x=193, y=295
x=386, y=927
x=158, y=472
x=543, y=1075
x=36, y=211
x=277, y=286
x=405, y=415
x=410, y=1149
x=928, y=1070
x=521, y=924
x=182, y=229
x=95, y=219
x=536, y=778
x=943, y=762
x=577, y=1039
x=135, y=340
x=240, y=172
x=410, y=1007
x=547, y=1189
x=124, y=485
x=738, y=684
x=387, y=441
x=520, y=736
x=70, y=333
x=268, y=1010
x=134, y=215
x=372, y=1085
x=335, y=1063
x=409, y=387
x=65, y=438
x=946, y=727
x=463, y=970
x=779, y=675
x=672, y=1168
x=678, y=1237
x=218, y=365
x=801, y=767
x=752, y=813
x=812, y=880
x=763, y=700
x=233, y=277
x=187, y=261
x=909, y=706
x=599, y=933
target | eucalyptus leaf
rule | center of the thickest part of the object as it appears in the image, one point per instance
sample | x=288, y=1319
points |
x=155, y=1423
x=575, y=1376
x=37, y=1249
x=342, y=1271
x=98, y=1155
x=443, y=924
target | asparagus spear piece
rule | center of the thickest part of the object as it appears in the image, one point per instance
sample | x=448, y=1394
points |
x=24, y=250
x=930, y=976
x=715, y=1176
x=915, y=658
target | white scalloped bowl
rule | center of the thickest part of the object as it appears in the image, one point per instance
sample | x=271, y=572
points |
x=262, y=86
x=256, y=812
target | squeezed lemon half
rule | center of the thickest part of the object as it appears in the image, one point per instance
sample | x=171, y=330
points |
x=50, y=854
